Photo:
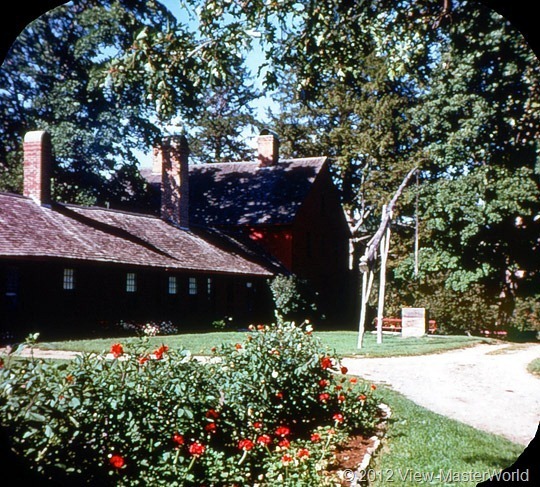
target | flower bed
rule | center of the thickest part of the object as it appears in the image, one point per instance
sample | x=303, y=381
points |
x=272, y=409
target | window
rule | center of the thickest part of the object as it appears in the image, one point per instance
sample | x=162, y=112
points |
x=12, y=281
x=69, y=279
x=173, y=285
x=131, y=282
x=192, y=286
x=209, y=286
x=249, y=285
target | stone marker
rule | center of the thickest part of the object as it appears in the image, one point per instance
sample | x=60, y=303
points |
x=413, y=322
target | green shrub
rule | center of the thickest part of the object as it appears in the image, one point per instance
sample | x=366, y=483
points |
x=293, y=297
x=268, y=410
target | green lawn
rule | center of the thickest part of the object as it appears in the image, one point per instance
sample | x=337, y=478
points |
x=420, y=444
x=343, y=342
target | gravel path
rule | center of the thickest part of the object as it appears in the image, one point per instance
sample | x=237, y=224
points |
x=486, y=386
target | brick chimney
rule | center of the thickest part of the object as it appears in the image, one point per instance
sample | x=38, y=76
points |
x=268, y=149
x=37, y=166
x=175, y=181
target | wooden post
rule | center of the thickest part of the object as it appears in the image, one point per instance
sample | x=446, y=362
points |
x=367, y=282
x=384, y=248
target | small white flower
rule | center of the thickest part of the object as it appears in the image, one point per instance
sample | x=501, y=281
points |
x=275, y=373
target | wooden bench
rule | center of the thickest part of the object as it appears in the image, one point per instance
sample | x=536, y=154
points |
x=394, y=324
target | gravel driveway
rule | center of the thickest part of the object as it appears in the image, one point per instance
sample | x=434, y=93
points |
x=486, y=386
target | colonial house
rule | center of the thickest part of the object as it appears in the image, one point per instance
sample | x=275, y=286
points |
x=290, y=208
x=221, y=232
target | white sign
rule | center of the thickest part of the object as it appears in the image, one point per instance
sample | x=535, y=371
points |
x=413, y=322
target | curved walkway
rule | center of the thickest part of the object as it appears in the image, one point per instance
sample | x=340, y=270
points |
x=486, y=386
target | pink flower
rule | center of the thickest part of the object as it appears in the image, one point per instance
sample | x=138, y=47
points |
x=315, y=437
x=117, y=350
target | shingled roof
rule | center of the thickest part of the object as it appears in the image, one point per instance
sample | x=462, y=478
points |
x=246, y=193
x=96, y=234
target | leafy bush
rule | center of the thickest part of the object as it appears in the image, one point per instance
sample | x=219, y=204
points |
x=265, y=411
x=293, y=297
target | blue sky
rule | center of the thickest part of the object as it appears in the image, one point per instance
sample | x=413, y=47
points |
x=254, y=59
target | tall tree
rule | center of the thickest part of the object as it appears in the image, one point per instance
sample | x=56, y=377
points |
x=222, y=127
x=48, y=82
x=62, y=75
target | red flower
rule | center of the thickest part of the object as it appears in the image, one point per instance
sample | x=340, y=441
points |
x=341, y=398
x=338, y=388
x=2, y=363
x=69, y=377
x=210, y=427
x=117, y=461
x=284, y=443
x=324, y=397
x=117, y=350
x=353, y=380
x=315, y=437
x=303, y=453
x=373, y=387
x=196, y=449
x=324, y=383
x=264, y=440
x=257, y=425
x=344, y=370
x=245, y=444
x=160, y=351
x=213, y=349
x=279, y=395
x=326, y=362
x=178, y=439
x=143, y=359
x=362, y=397
x=286, y=459
x=212, y=413
x=283, y=431
x=238, y=346
x=338, y=417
